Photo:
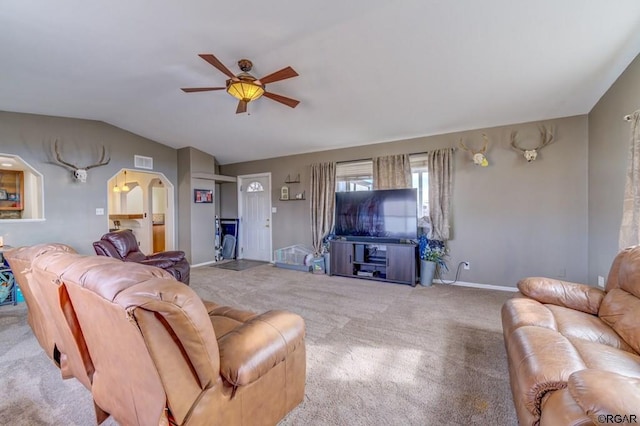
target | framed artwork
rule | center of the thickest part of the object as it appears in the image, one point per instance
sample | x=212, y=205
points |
x=3, y=194
x=203, y=196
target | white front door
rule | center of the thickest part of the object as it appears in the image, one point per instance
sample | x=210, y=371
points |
x=254, y=209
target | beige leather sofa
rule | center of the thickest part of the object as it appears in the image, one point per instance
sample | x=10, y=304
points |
x=151, y=351
x=573, y=349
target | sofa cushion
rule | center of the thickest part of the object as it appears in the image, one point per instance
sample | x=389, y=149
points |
x=629, y=272
x=575, y=324
x=621, y=311
x=604, y=357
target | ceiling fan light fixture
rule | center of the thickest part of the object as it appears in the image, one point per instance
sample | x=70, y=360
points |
x=244, y=90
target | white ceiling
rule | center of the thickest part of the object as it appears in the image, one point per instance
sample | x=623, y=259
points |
x=370, y=71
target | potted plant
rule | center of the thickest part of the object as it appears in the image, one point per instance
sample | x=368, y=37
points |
x=432, y=254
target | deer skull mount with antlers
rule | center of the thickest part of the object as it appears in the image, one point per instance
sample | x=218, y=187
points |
x=546, y=137
x=80, y=173
x=479, y=157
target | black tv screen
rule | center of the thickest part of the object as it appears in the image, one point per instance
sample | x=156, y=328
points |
x=390, y=214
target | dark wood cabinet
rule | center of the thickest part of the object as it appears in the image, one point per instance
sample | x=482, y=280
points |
x=401, y=263
x=393, y=262
x=341, y=258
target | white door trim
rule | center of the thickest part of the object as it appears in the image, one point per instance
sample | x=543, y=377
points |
x=241, y=182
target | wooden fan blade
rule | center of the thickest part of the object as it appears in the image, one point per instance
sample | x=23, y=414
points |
x=201, y=89
x=282, y=99
x=283, y=74
x=219, y=65
x=242, y=107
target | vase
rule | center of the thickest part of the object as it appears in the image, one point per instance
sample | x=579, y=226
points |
x=427, y=272
x=327, y=263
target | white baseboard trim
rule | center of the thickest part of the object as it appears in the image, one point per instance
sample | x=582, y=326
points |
x=478, y=285
x=204, y=264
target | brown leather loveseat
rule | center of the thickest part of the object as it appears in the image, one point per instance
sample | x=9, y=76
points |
x=573, y=350
x=124, y=246
x=151, y=351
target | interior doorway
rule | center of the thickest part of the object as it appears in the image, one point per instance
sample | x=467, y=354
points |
x=143, y=202
x=254, y=211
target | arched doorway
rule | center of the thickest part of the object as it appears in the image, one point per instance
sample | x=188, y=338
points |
x=143, y=202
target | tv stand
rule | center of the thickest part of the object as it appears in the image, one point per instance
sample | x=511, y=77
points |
x=380, y=261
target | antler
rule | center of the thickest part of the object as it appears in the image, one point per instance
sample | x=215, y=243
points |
x=514, y=135
x=463, y=146
x=59, y=157
x=546, y=136
x=102, y=161
x=486, y=144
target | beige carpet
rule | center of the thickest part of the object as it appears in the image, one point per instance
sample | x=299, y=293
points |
x=377, y=353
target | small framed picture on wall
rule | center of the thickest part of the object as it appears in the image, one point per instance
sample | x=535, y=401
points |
x=202, y=196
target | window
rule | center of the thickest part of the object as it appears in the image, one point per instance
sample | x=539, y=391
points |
x=354, y=176
x=358, y=176
x=420, y=181
x=255, y=187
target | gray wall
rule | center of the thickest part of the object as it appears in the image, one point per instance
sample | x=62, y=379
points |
x=197, y=231
x=609, y=137
x=70, y=206
x=510, y=220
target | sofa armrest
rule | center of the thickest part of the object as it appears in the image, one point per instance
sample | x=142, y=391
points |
x=159, y=263
x=606, y=397
x=252, y=349
x=174, y=256
x=576, y=296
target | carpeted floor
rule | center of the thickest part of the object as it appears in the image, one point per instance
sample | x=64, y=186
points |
x=377, y=353
x=239, y=264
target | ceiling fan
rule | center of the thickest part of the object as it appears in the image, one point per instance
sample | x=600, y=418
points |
x=244, y=86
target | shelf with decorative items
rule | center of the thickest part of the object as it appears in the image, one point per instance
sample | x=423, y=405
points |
x=11, y=191
x=297, y=197
x=285, y=194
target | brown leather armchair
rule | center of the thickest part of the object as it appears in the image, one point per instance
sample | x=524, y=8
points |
x=124, y=246
x=157, y=354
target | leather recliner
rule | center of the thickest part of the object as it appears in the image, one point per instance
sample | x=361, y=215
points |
x=161, y=355
x=574, y=350
x=123, y=245
x=51, y=315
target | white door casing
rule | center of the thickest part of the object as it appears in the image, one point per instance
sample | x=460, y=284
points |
x=254, y=211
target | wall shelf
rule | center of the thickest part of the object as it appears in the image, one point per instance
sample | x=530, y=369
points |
x=292, y=180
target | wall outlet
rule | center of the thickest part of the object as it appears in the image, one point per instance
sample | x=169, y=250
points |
x=467, y=265
x=600, y=281
x=99, y=212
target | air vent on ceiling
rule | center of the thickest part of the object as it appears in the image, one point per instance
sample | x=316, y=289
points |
x=141, y=162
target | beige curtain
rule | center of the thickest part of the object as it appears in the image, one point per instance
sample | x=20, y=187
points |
x=440, y=165
x=630, y=227
x=323, y=188
x=392, y=172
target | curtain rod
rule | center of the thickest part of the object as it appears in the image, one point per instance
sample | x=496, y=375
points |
x=371, y=158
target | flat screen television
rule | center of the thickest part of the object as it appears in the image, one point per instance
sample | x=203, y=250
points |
x=386, y=214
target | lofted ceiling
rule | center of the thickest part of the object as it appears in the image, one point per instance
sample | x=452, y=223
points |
x=370, y=71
